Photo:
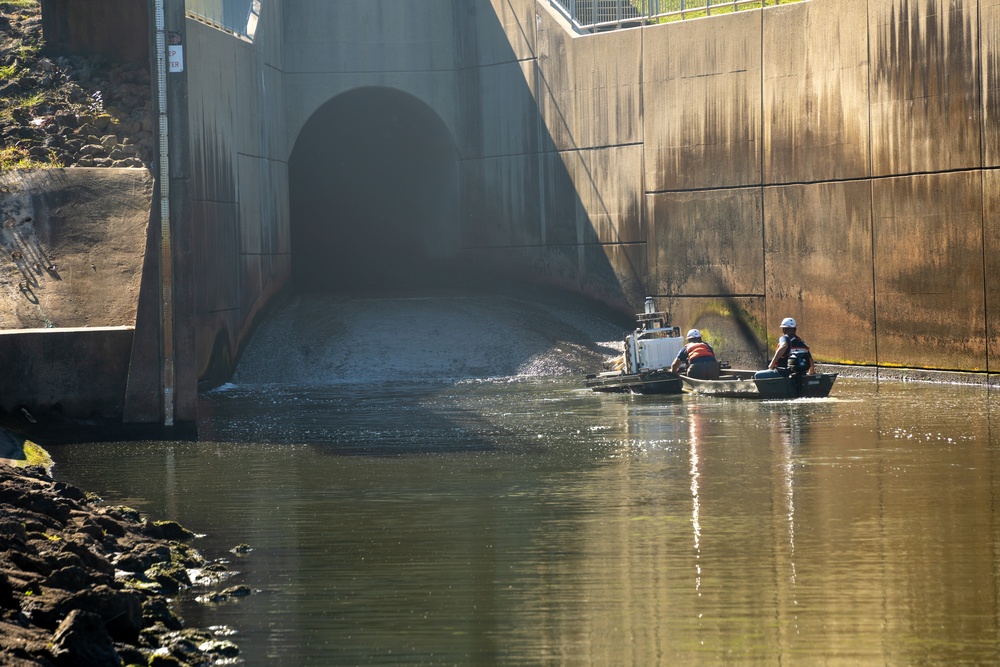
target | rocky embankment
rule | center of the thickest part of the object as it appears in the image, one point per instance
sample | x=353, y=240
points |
x=68, y=111
x=85, y=585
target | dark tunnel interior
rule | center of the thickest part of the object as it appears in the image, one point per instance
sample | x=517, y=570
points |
x=373, y=190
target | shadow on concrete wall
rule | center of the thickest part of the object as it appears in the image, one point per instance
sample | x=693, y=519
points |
x=373, y=194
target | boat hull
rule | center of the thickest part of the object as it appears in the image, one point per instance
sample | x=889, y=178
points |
x=742, y=384
x=803, y=386
x=656, y=382
x=731, y=384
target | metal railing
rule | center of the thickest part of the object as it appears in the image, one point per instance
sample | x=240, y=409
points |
x=598, y=15
x=237, y=17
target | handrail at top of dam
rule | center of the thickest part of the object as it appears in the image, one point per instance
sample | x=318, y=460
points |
x=601, y=15
x=218, y=14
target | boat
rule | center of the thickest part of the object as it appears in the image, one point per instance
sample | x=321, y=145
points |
x=742, y=384
x=644, y=366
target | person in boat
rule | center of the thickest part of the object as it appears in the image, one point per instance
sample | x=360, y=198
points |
x=699, y=357
x=792, y=353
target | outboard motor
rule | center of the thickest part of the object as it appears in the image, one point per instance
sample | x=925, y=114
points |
x=798, y=367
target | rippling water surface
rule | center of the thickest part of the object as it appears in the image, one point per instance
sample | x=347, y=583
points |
x=515, y=518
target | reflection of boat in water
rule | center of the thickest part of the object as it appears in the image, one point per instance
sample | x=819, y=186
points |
x=742, y=384
x=644, y=366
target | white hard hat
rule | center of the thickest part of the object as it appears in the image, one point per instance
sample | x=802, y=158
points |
x=694, y=333
x=788, y=323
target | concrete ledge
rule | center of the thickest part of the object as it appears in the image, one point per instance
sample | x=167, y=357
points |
x=76, y=373
x=881, y=373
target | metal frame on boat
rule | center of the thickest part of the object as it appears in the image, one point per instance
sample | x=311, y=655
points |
x=644, y=366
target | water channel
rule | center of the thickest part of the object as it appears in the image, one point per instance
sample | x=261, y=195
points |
x=494, y=512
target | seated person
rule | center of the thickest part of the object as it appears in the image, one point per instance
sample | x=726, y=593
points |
x=700, y=358
x=790, y=346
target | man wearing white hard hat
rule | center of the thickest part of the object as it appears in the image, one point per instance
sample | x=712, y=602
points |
x=699, y=356
x=790, y=348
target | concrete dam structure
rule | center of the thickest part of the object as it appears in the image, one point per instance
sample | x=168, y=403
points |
x=831, y=160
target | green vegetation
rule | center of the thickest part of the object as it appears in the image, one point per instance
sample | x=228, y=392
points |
x=14, y=157
x=680, y=10
x=11, y=6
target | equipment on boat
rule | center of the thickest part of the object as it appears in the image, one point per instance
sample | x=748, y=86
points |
x=644, y=367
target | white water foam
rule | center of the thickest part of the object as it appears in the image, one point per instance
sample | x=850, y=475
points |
x=321, y=340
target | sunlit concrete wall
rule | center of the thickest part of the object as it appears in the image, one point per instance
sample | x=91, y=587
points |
x=829, y=160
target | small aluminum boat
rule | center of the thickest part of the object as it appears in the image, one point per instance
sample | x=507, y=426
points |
x=742, y=384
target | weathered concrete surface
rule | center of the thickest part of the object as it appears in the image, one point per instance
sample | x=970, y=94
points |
x=733, y=325
x=706, y=243
x=702, y=102
x=925, y=78
x=991, y=258
x=929, y=276
x=607, y=198
x=818, y=254
x=989, y=56
x=238, y=227
x=76, y=373
x=74, y=244
x=589, y=88
x=815, y=102
x=652, y=161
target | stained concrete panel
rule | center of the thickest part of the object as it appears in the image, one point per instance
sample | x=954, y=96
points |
x=706, y=243
x=557, y=47
x=561, y=207
x=500, y=202
x=365, y=36
x=925, y=85
x=213, y=97
x=818, y=256
x=608, y=186
x=991, y=255
x=702, y=102
x=262, y=100
x=78, y=373
x=503, y=33
x=732, y=325
x=929, y=275
x=612, y=275
x=216, y=256
x=267, y=38
x=73, y=243
x=251, y=171
x=499, y=114
x=615, y=274
x=815, y=92
x=989, y=58
x=589, y=87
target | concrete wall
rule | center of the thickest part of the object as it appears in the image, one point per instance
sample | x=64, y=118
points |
x=75, y=245
x=238, y=187
x=829, y=160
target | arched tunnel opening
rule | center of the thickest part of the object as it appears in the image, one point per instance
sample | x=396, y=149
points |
x=373, y=190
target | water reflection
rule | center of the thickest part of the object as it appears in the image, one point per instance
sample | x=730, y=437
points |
x=696, y=429
x=531, y=522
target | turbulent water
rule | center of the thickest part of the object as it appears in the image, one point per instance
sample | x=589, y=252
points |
x=323, y=340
